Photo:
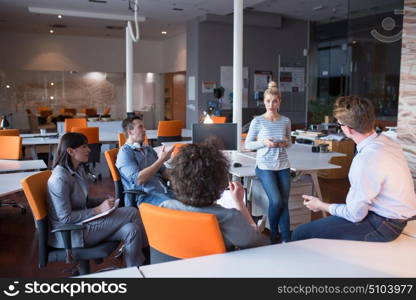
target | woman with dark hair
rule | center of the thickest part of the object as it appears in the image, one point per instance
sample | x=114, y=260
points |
x=68, y=203
x=199, y=175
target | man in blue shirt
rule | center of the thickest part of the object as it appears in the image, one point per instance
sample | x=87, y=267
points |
x=381, y=198
x=140, y=167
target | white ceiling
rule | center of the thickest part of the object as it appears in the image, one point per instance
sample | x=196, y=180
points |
x=160, y=14
x=14, y=16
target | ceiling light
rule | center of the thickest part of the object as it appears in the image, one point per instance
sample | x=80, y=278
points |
x=164, y=32
x=51, y=31
x=84, y=14
x=7, y=86
x=51, y=97
x=59, y=16
x=52, y=84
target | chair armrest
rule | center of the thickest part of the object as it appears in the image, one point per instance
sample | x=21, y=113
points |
x=68, y=227
x=133, y=192
x=65, y=231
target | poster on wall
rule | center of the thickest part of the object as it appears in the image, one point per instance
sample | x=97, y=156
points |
x=292, y=79
x=208, y=87
x=227, y=84
x=261, y=79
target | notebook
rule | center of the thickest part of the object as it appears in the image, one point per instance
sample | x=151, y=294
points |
x=105, y=213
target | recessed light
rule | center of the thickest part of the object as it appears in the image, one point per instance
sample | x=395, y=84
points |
x=51, y=31
x=319, y=7
x=52, y=84
x=7, y=86
x=59, y=16
x=164, y=32
x=51, y=97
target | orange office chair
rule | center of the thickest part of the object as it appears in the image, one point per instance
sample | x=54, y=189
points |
x=218, y=119
x=11, y=147
x=68, y=111
x=178, y=147
x=9, y=132
x=35, y=189
x=106, y=111
x=122, y=140
x=93, y=136
x=127, y=197
x=75, y=122
x=175, y=234
x=169, y=131
x=91, y=112
x=42, y=108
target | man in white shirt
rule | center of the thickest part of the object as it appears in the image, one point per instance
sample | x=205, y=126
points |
x=381, y=198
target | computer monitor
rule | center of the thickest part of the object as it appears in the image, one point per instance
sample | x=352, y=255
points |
x=225, y=132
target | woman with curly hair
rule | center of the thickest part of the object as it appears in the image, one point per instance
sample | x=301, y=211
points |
x=199, y=175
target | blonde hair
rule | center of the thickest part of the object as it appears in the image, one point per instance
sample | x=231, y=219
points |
x=355, y=112
x=272, y=90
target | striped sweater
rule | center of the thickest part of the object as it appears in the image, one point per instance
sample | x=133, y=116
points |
x=269, y=158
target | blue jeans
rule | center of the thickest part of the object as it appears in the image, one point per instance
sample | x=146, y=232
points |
x=276, y=184
x=154, y=198
x=373, y=228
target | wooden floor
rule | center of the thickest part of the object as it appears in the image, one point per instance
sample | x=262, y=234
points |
x=18, y=240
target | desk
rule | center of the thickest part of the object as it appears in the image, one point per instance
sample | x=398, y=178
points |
x=21, y=165
x=308, y=258
x=302, y=160
x=32, y=142
x=10, y=183
x=132, y=272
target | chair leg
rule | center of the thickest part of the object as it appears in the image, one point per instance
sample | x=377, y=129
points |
x=84, y=267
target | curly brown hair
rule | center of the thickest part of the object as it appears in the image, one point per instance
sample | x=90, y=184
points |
x=199, y=174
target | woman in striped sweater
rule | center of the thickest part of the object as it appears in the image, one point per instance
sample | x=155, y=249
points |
x=269, y=134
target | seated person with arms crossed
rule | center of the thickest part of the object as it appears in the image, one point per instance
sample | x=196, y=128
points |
x=381, y=198
x=199, y=177
x=140, y=168
x=68, y=203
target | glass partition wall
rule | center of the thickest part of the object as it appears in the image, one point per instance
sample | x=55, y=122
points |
x=357, y=54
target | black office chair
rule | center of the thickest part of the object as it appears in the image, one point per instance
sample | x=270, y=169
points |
x=35, y=189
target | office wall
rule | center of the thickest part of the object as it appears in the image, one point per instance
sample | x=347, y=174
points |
x=21, y=51
x=174, y=54
x=31, y=53
x=210, y=46
x=407, y=98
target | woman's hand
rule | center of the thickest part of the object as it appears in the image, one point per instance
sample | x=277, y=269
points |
x=104, y=206
x=268, y=143
x=237, y=193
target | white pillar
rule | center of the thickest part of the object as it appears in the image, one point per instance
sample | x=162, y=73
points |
x=129, y=72
x=238, y=68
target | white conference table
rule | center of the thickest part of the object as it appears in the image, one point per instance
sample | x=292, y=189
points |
x=10, y=183
x=21, y=165
x=308, y=258
x=301, y=158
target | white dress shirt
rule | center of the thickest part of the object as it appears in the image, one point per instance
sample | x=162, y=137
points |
x=380, y=182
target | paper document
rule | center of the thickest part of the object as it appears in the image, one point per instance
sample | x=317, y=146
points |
x=107, y=212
